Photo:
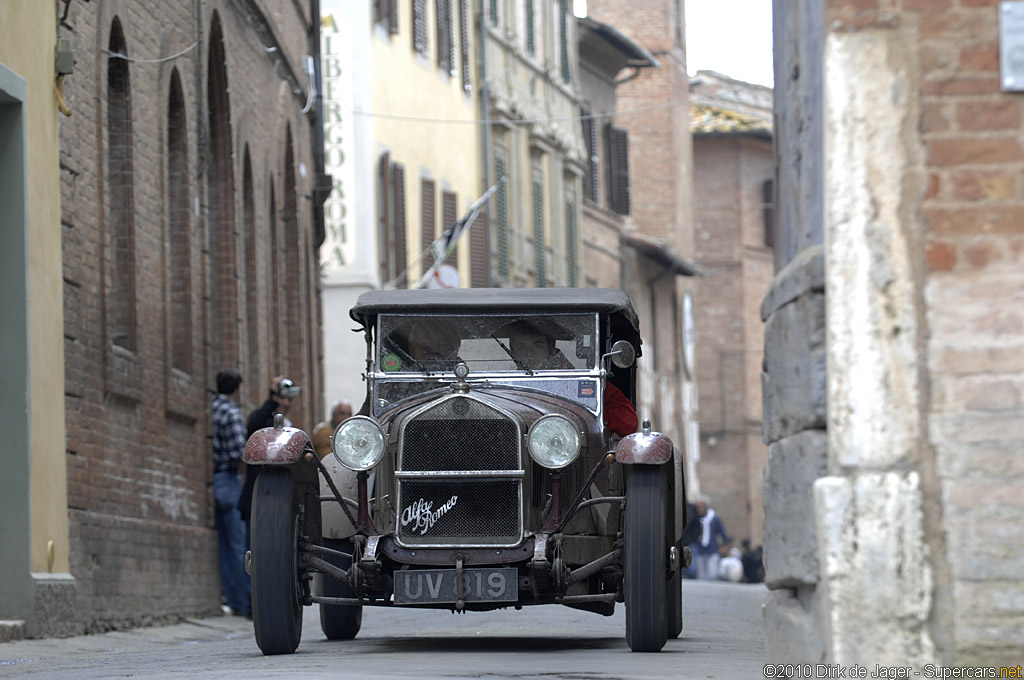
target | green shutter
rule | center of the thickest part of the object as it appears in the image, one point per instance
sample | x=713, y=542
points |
x=501, y=217
x=538, y=228
x=530, y=43
x=570, y=240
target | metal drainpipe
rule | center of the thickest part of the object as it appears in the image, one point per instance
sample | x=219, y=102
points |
x=485, y=105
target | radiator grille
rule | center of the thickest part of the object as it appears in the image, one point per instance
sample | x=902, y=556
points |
x=458, y=435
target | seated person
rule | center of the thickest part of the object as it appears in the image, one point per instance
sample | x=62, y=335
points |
x=434, y=341
x=538, y=351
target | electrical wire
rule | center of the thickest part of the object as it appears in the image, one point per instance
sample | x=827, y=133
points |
x=118, y=55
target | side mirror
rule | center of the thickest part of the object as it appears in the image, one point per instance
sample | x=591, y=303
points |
x=623, y=354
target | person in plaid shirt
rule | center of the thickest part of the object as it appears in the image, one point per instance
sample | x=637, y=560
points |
x=229, y=437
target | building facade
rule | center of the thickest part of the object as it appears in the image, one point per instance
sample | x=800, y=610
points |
x=37, y=591
x=530, y=82
x=190, y=178
x=653, y=133
x=893, y=390
x=733, y=212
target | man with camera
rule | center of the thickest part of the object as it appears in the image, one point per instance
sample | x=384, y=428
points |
x=282, y=391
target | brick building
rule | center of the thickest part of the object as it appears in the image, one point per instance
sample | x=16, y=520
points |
x=190, y=194
x=893, y=514
x=732, y=151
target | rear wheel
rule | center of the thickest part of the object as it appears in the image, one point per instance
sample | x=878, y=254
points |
x=675, y=604
x=645, y=560
x=276, y=607
x=339, y=622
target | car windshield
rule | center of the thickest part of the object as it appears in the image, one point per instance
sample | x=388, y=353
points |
x=527, y=345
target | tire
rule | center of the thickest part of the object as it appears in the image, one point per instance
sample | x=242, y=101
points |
x=645, y=561
x=276, y=607
x=675, y=604
x=339, y=622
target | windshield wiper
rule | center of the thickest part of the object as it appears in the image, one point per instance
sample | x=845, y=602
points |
x=520, y=364
x=407, y=357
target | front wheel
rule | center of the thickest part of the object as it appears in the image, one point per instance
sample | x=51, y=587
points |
x=339, y=622
x=276, y=607
x=645, y=559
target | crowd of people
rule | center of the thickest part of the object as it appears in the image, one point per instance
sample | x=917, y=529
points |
x=714, y=558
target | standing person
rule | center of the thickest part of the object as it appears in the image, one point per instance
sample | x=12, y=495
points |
x=691, y=536
x=708, y=548
x=229, y=439
x=279, y=400
x=340, y=410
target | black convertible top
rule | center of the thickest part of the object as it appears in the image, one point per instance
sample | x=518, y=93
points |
x=497, y=300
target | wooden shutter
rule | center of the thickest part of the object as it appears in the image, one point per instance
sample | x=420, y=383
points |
x=427, y=220
x=618, y=169
x=531, y=45
x=467, y=83
x=479, y=252
x=493, y=12
x=419, y=26
x=448, y=217
x=392, y=16
x=501, y=217
x=398, y=224
x=571, y=264
x=563, y=30
x=768, y=207
x=593, y=162
x=384, y=216
x=538, y=228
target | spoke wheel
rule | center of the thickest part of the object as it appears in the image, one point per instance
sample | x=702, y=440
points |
x=276, y=608
x=645, y=559
x=339, y=622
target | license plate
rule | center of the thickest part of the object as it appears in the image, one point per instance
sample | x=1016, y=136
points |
x=432, y=586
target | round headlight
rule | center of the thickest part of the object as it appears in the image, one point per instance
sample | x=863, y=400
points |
x=358, y=443
x=554, y=442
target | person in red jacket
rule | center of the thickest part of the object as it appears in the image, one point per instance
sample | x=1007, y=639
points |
x=537, y=350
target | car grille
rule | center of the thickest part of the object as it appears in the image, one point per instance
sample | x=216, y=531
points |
x=439, y=505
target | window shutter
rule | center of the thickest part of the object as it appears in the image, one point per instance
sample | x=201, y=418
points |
x=570, y=240
x=384, y=221
x=448, y=216
x=538, y=228
x=479, y=252
x=427, y=219
x=449, y=42
x=590, y=135
x=501, y=217
x=494, y=12
x=618, y=160
x=398, y=224
x=442, y=52
x=768, y=207
x=419, y=26
x=531, y=46
x=392, y=16
x=563, y=30
x=464, y=44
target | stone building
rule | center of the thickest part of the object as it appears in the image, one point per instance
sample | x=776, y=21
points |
x=652, y=131
x=893, y=385
x=190, y=179
x=731, y=123
x=37, y=589
x=530, y=88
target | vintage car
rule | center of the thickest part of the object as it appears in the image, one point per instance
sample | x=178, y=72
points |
x=479, y=474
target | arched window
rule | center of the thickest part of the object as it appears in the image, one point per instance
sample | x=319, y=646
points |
x=178, y=229
x=251, y=290
x=220, y=197
x=121, y=223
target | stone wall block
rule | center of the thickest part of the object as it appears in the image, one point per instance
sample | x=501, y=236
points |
x=794, y=381
x=874, y=569
x=792, y=632
x=794, y=463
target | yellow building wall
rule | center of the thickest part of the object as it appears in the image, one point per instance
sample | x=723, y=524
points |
x=415, y=109
x=27, y=47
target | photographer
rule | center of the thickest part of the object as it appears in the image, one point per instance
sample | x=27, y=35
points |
x=282, y=391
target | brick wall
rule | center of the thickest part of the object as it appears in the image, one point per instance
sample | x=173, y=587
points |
x=925, y=390
x=139, y=463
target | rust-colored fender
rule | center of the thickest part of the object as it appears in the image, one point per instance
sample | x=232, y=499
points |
x=644, y=448
x=276, y=446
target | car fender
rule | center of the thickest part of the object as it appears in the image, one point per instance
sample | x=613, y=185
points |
x=276, y=446
x=655, y=448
